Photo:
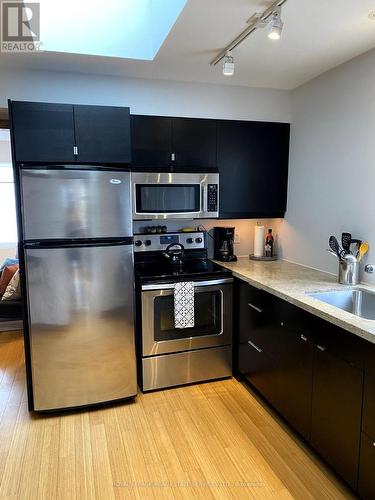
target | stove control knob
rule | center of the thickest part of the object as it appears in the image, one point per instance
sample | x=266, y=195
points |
x=198, y=240
x=138, y=243
x=190, y=241
x=148, y=243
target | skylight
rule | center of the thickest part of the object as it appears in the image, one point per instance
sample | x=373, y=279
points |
x=132, y=29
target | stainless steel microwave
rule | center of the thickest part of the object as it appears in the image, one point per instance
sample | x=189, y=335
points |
x=175, y=195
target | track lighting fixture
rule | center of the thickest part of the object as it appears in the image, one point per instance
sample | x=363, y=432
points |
x=228, y=66
x=270, y=17
x=276, y=25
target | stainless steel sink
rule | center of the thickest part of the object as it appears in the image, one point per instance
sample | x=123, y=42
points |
x=356, y=301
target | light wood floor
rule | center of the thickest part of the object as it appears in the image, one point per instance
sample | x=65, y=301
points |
x=213, y=440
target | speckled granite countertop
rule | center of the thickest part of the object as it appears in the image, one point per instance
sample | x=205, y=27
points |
x=292, y=282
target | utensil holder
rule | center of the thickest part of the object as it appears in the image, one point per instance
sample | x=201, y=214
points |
x=348, y=272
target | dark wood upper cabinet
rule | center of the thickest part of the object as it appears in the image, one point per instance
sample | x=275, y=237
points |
x=151, y=138
x=54, y=133
x=252, y=158
x=42, y=132
x=194, y=143
x=102, y=134
x=173, y=143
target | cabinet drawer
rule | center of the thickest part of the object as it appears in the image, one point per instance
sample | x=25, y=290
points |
x=366, y=478
x=368, y=418
x=258, y=322
x=260, y=301
x=295, y=319
x=259, y=369
x=341, y=344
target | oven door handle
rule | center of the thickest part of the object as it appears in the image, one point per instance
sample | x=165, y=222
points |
x=170, y=286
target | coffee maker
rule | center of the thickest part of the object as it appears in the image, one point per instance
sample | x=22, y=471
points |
x=224, y=243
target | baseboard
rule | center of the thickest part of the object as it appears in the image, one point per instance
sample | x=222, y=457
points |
x=8, y=326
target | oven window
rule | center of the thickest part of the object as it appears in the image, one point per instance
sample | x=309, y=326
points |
x=167, y=198
x=207, y=312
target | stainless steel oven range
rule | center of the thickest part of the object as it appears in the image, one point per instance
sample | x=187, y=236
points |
x=170, y=356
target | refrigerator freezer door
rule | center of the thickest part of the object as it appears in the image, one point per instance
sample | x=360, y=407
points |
x=75, y=203
x=81, y=325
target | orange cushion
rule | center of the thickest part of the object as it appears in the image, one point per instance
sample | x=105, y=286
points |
x=6, y=276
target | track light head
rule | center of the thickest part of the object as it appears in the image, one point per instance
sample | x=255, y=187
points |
x=276, y=25
x=228, y=66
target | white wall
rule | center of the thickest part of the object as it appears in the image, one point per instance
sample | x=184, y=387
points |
x=332, y=164
x=8, y=250
x=147, y=96
x=244, y=231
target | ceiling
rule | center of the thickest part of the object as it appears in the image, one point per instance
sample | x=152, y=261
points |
x=318, y=35
x=136, y=31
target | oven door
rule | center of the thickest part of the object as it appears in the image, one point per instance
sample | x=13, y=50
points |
x=171, y=195
x=213, y=318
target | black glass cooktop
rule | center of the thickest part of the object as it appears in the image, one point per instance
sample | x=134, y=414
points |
x=192, y=269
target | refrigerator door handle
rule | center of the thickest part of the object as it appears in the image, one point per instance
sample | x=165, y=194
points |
x=78, y=244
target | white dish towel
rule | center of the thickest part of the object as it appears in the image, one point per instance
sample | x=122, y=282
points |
x=184, y=304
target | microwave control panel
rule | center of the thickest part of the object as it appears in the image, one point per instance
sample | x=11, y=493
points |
x=212, y=198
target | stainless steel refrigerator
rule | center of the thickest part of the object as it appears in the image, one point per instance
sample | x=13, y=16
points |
x=77, y=256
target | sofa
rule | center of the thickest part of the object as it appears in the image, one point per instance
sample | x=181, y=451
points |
x=10, y=309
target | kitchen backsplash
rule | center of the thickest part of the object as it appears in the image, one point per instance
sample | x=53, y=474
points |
x=244, y=243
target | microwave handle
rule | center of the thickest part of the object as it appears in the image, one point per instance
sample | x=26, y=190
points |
x=205, y=198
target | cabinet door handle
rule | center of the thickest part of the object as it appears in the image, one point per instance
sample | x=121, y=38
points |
x=321, y=348
x=173, y=156
x=305, y=339
x=254, y=346
x=75, y=150
x=257, y=309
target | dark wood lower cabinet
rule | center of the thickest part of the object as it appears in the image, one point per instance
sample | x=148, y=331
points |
x=295, y=380
x=336, y=413
x=317, y=388
x=259, y=369
x=366, y=476
x=368, y=417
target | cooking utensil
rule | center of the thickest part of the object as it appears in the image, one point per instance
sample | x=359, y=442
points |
x=363, y=249
x=346, y=239
x=331, y=252
x=356, y=242
x=334, y=245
